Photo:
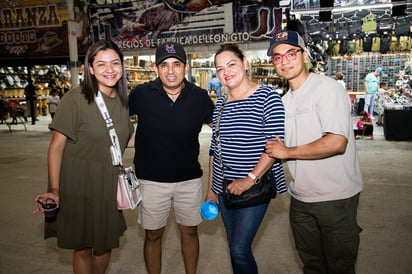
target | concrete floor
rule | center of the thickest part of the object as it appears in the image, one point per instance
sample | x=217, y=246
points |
x=385, y=213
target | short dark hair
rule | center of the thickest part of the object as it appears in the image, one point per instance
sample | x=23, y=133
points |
x=363, y=113
x=53, y=90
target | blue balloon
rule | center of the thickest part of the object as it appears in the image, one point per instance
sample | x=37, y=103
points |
x=209, y=210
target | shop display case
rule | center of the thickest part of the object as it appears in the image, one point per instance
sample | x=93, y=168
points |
x=202, y=75
x=265, y=74
x=139, y=70
x=13, y=80
x=201, y=71
x=260, y=73
x=356, y=67
x=138, y=75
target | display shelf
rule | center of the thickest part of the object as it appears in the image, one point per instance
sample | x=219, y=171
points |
x=265, y=74
x=356, y=67
x=202, y=74
x=14, y=79
x=262, y=65
x=13, y=93
x=266, y=77
x=138, y=75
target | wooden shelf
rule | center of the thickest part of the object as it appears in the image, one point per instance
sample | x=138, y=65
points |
x=265, y=74
x=208, y=68
x=265, y=65
x=266, y=77
x=139, y=69
x=138, y=75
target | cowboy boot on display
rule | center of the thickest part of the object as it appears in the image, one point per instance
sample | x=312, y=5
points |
x=263, y=23
x=277, y=22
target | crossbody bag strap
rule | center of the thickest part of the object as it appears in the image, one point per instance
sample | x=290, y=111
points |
x=117, y=153
x=218, y=144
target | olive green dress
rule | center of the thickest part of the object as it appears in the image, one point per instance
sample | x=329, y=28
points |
x=88, y=216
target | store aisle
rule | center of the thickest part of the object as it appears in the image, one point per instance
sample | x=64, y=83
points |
x=385, y=213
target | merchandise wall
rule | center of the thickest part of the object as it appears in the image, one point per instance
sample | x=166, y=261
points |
x=13, y=81
x=260, y=71
x=139, y=70
x=356, y=67
x=355, y=41
x=352, y=39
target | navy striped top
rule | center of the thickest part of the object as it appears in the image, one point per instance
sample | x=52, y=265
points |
x=245, y=126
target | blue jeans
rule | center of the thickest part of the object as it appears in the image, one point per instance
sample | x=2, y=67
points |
x=370, y=103
x=241, y=227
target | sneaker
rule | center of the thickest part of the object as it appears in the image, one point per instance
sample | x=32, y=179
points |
x=370, y=137
x=357, y=137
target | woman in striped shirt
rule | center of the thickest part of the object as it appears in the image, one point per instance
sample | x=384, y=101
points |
x=251, y=115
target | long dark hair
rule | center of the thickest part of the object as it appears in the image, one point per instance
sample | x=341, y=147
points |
x=230, y=47
x=90, y=85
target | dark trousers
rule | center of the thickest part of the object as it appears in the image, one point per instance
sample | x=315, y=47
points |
x=326, y=235
x=365, y=132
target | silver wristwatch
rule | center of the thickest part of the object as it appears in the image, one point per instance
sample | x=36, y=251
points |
x=254, y=177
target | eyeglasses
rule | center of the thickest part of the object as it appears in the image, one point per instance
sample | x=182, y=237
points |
x=290, y=55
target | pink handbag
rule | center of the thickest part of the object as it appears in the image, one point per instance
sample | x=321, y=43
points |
x=128, y=192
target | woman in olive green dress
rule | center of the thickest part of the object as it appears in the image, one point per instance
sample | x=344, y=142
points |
x=82, y=178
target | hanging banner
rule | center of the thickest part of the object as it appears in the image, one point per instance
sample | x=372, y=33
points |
x=38, y=28
x=148, y=23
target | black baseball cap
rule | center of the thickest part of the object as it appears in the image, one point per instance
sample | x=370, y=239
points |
x=168, y=50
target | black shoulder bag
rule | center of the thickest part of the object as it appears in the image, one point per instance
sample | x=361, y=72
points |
x=261, y=192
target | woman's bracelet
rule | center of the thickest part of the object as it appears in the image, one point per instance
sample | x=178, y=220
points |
x=56, y=189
